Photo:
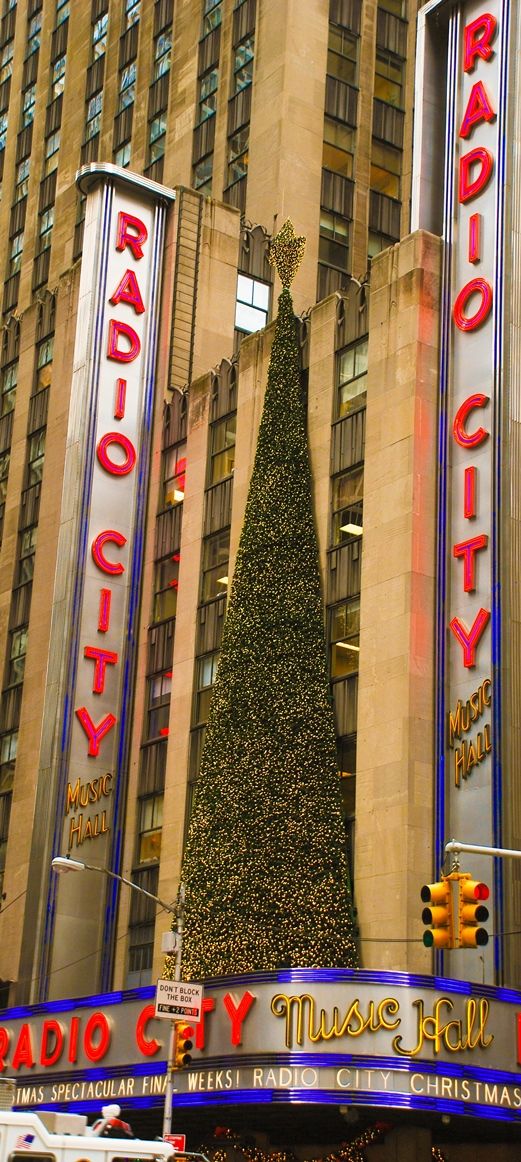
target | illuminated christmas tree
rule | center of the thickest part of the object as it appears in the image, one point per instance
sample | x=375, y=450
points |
x=265, y=870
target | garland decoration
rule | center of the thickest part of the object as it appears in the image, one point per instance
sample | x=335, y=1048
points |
x=346, y=1152
x=265, y=870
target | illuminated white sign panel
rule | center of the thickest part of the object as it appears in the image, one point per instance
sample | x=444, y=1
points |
x=109, y=436
x=472, y=328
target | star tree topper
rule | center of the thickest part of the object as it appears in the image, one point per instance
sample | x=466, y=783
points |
x=286, y=252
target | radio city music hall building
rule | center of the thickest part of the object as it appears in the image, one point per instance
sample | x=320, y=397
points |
x=149, y=152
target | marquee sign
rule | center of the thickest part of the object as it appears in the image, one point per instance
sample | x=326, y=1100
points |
x=382, y=1039
x=103, y=512
x=471, y=392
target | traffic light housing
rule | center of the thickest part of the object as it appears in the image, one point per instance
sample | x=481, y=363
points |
x=472, y=912
x=439, y=914
x=183, y=1045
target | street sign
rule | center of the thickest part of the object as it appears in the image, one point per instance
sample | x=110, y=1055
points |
x=178, y=1141
x=179, y=999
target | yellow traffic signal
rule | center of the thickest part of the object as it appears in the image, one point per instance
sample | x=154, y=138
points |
x=471, y=912
x=183, y=1044
x=439, y=914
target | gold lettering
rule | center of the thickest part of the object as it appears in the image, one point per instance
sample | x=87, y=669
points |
x=430, y=1027
x=307, y=1025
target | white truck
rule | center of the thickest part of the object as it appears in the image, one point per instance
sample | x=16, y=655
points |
x=57, y=1137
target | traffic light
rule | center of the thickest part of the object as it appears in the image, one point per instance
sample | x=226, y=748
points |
x=439, y=914
x=183, y=1044
x=471, y=912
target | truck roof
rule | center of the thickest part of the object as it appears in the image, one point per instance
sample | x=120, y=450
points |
x=84, y=1143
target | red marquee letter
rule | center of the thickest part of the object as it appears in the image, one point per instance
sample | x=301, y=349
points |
x=97, y=1023
x=113, y=351
x=128, y=291
x=102, y=659
x=478, y=109
x=467, y=188
x=23, y=1054
x=145, y=1046
x=46, y=1057
x=99, y=557
x=477, y=37
x=134, y=241
x=476, y=286
x=128, y=450
x=4, y=1046
x=468, y=550
x=469, y=638
x=237, y=1013
x=94, y=733
x=459, y=431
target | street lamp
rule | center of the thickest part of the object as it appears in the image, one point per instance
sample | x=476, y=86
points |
x=62, y=864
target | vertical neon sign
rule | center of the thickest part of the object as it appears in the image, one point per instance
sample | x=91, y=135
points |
x=469, y=626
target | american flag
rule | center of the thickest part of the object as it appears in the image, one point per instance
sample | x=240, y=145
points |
x=24, y=1142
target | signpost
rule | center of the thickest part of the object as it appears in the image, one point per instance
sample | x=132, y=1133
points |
x=179, y=1000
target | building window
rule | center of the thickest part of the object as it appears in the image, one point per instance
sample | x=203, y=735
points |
x=214, y=573
x=252, y=305
x=159, y=688
x=127, y=86
x=52, y=146
x=338, y=148
x=352, y=377
x=45, y=230
x=131, y=12
x=44, y=363
x=18, y=650
x=238, y=154
x=4, y=475
x=22, y=180
x=3, y=130
x=6, y=61
x=35, y=457
x=174, y=478
x=203, y=172
x=389, y=78
x=9, y=378
x=62, y=11
x=162, y=55
x=348, y=490
x=157, y=137
x=28, y=540
x=212, y=15
x=342, y=54
x=222, y=448
x=16, y=251
x=94, y=111
x=58, y=76
x=206, y=671
x=344, y=637
x=386, y=164
x=150, y=822
x=243, y=64
x=333, y=246
x=207, y=95
x=99, y=35
x=33, y=34
x=28, y=103
x=166, y=576
x=122, y=155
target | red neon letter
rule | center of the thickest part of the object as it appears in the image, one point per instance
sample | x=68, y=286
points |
x=476, y=286
x=127, y=291
x=99, y=557
x=46, y=1057
x=469, y=638
x=4, y=1047
x=23, y=1054
x=104, y=610
x=478, y=109
x=113, y=352
x=474, y=254
x=207, y=1007
x=467, y=550
x=128, y=450
x=477, y=37
x=461, y=436
x=73, y=1039
x=237, y=1013
x=134, y=241
x=469, y=493
x=148, y=1048
x=468, y=188
x=94, y=733
x=121, y=393
x=102, y=659
x=97, y=1023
